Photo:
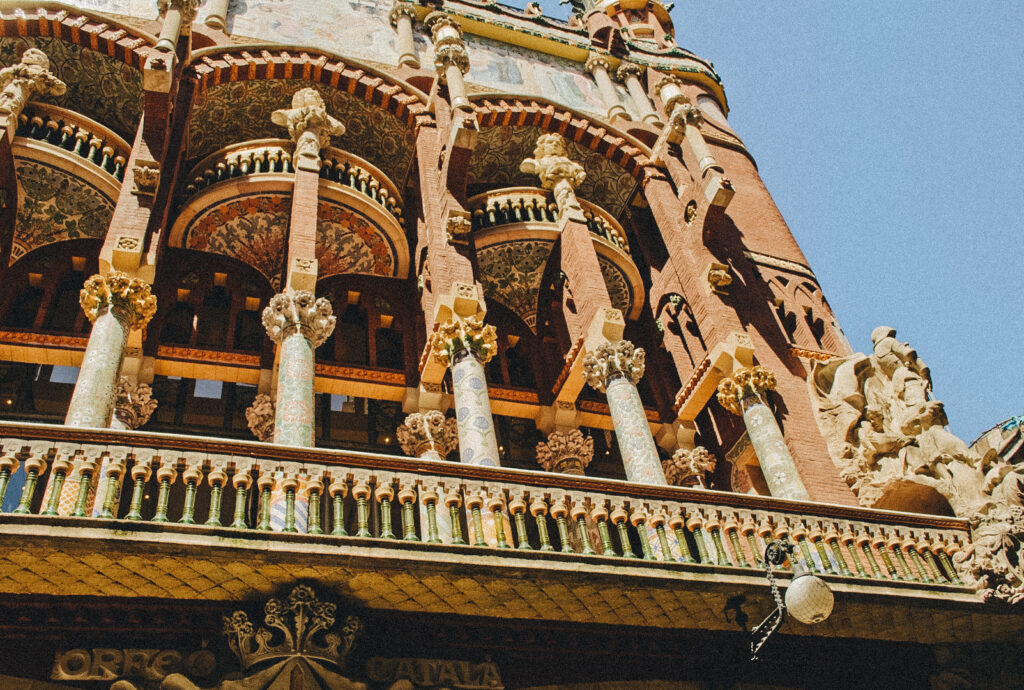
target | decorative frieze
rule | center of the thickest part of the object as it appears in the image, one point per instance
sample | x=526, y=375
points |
x=689, y=467
x=566, y=452
x=557, y=172
x=129, y=299
x=260, y=417
x=427, y=434
x=620, y=357
x=299, y=312
x=134, y=403
x=469, y=333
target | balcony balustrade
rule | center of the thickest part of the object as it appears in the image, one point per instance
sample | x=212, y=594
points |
x=383, y=501
x=76, y=134
x=531, y=205
x=266, y=156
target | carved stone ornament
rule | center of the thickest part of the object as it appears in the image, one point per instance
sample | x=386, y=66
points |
x=129, y=299
x=146, y=177
x=299, y=311
x=469, y=333
x=719, y=278
x=744, y=383
x=260, y=417
x=309, y=125
x=134, y=403
x=689, y=467
x=597, y=61
x=684, y=113
x=620, y=357
x=672, y=96
x=558, y=172
x=31, y=76
x=627, y=70
x=304, y=620
x=448, y=46
x=450, y=54
x=426, y=431
x=568, y=452
x=458, y=228
x=401, y=9
x=188, y=9
x=888, y=436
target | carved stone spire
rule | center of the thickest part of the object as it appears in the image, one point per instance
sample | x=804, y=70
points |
x=260, y=417
x=134, y=403
x=620, y=357
x=129, y=299
x=469, y=333
x=424, y=432
x=558, y=172
x=31, y=76
x=689, y=467
x=299, y=312
x=753, y=381
x=309, y=125
x=565, y=452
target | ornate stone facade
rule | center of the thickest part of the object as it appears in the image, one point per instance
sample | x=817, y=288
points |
x=20, y=82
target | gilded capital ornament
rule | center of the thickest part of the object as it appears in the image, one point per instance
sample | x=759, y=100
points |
x=745, y=383
x=428, y=431
x=134, y=403
x=689, y=467
x=309, y=125
x=260, y=417
x=401, y=9
x=468, y=333
x=597, y=61
x=565, y=452
x=20, y=82
x=620, y=357
x=299, y=311
x=128, y=299
x=558, y=172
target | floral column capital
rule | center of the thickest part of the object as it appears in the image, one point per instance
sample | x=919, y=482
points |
x=428, y=431
x=260, y=417
x=31, y=76
x=597, y=61
x=134, y=403
x=627, y=70
x=558, y=172
x=689, y=467
x=299, y=312
x=752, y=381
x=469, y=333
x=129, y=299
x=309, y=125
x=188, y=9
x=566, y=452
x=448, y=46
x=620, y=357
x=401, y=9
x=683, y=112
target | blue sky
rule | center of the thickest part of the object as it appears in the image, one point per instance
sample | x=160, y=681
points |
x=889, y=135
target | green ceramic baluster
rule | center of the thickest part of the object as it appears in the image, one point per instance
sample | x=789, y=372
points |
x=432, y=535
x=478, y=527
x=60, y=472
x=33, y=467
x=539, y=511
x=581, y=523
x=499, y=527
x=241, y=490
x=338, y=514
x=314, y=512
x=84, y=481
x=563, y=533
x=385, y=519
x=409, y=521
x=453, y=513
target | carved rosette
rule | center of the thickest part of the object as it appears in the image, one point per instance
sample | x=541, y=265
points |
x=568, y=453
x=689, y=467
x=468, y=333
x=134, y=403
x=299, y=312
x=558, y=172
x=448, y=46
x=428, y=431
x=309, y=125
x=128, y=299
x=620, y=357
x=30, y=77
x=752, y=381
x=260, y=417
x=994, y=561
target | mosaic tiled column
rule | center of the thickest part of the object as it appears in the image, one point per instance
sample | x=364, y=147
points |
x=432, y=436
x=116, y=305
x=402, y=15
x=299, y=323
x=450, y=56
x=614, y=369
x=466, y=344
x=743, y=394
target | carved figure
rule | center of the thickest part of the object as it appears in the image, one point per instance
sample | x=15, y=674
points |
x=308, y=123
x=29, y=77
x=558, y=172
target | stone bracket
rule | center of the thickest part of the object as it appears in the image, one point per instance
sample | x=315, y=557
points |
x=736, y=352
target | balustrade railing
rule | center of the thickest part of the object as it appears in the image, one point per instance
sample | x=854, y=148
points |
x=133, y=477
x=530, y=205
x=75, y=134
x=264, y=156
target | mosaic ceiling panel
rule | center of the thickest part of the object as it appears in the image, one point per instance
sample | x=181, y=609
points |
x=54, y=206
x=346, y=242
x=500, y=150
x=511, y=273
x=251, y=229
x=99, y=87
x=240, y=111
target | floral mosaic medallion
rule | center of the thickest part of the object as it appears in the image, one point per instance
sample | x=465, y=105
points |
x=511, y=273
x=500, y=150
x=100, y=87
x=54, y=206
x=251, y=229
x=240, y=111
x=346, y=242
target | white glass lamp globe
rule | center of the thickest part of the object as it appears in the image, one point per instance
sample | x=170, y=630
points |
x=808, y=599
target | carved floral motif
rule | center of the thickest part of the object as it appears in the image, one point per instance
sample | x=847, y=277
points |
x=129, y=298
x=428, y=431
x=260, y=417
x=566, y=452
x=752, y=381
x=134, y=403
x=299, y=311
x=620, y=357
x=689, y=467
x=468, y=333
